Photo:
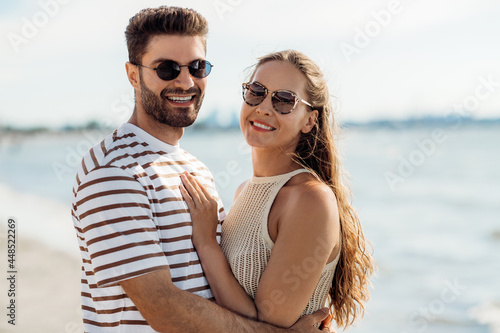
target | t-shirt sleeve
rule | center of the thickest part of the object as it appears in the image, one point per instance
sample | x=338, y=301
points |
x=116, y=226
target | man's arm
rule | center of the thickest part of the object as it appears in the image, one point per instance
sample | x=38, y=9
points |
x=169, y=309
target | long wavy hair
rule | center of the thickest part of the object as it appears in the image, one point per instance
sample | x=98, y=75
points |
x=317, y=152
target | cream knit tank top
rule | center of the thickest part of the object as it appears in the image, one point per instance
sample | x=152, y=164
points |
x=246, y=242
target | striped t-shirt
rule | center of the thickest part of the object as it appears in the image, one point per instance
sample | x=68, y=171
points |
x=130, y=219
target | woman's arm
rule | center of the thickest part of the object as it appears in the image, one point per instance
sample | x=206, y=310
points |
x=204, y=214
x=308, y=232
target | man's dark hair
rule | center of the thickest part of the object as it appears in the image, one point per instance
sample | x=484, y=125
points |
x=163, y=20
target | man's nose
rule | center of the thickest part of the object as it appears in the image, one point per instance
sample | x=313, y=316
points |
x=184, y=80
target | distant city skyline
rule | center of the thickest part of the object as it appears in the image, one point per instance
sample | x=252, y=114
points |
x=383, y=59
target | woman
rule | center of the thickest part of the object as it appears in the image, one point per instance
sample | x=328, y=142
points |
x=291, y=240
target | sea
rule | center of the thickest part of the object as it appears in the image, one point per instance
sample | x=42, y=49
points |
x=428, y=198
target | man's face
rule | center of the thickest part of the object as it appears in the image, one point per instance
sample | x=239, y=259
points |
x=175, y=103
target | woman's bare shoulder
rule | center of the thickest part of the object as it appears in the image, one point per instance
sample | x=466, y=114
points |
x=313, y=194
x=308, y=197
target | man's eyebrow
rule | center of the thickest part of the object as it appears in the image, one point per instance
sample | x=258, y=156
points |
x=160, y=60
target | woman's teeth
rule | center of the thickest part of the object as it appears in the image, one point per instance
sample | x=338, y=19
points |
x=262, y=126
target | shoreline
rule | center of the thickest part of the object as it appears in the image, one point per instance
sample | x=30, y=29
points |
x=44, y=219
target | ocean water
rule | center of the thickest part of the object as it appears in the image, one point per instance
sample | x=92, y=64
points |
x=428, y=199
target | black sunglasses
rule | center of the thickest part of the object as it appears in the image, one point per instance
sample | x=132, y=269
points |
x=283, y=101
x=169, y=69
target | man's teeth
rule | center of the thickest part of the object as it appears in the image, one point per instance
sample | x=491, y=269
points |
x=262, y=126
x=180, y=99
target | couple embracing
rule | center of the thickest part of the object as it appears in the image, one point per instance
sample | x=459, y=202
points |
x=160, y=254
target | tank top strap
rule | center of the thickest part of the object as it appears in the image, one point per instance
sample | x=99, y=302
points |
x=296, y=172
x=278, y=178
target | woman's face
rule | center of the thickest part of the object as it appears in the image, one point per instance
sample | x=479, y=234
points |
x=264, y=127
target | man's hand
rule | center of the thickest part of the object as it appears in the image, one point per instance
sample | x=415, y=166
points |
x=306, y=323
x=326, y=324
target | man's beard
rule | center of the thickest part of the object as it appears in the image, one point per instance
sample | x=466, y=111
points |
x=157, y=107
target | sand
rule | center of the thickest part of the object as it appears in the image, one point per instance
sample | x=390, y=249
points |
x=48, y=267
x=48, y=289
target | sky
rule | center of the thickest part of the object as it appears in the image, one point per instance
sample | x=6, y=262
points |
x=63, y=61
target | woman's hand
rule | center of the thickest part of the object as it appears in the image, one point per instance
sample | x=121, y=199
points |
x=203, y=209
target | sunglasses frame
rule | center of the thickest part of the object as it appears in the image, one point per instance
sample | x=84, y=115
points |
x=180, y=66
x=297, y=98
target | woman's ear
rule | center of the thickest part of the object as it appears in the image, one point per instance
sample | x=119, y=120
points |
x=312, y=118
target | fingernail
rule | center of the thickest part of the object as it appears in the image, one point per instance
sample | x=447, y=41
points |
x=325, y=310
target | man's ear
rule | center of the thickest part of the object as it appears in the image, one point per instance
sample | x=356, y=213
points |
x=133, y=74
x=312, y=118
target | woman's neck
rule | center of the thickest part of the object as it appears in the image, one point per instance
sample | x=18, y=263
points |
x=266, y=162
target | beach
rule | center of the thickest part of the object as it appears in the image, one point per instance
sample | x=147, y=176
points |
x=428, y=199
x=47, y=288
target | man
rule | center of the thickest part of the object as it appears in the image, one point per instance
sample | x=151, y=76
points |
x=140, y=270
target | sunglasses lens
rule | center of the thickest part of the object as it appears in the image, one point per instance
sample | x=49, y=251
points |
x=200, y=68
x=254, y=94
x=283, y=101
x=168, y=70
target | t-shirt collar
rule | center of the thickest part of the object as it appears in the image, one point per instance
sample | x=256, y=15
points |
x=149, y=139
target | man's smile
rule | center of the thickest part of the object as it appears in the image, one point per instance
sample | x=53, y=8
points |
x=180, y=100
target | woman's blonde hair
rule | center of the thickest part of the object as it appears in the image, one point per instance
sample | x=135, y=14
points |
x=317, y=152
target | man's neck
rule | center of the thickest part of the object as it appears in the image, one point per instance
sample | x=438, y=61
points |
x=162, y=132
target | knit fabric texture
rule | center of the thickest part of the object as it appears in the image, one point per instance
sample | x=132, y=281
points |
x=246, y=242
